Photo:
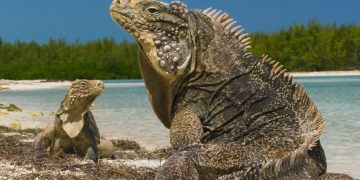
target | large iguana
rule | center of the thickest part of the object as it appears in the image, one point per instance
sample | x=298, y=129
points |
x=256, y=122
x=74, y=129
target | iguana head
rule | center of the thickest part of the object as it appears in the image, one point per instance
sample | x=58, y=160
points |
x=77, y=101
x=82, y=93
x=160, y=29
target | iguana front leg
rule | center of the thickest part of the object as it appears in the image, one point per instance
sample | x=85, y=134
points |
x=45, y=139
x=186, y=128
x=206, y=161
x=234, y=161
x=194, y=160
x=91, y=134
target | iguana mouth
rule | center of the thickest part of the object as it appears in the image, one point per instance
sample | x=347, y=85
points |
x=123, y=18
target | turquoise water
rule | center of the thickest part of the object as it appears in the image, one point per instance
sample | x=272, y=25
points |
x=123, y=111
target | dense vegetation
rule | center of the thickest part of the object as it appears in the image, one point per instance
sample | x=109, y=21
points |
x=103, y=59
x=313, y=47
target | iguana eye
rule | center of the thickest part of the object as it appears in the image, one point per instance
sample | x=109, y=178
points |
x=152, y=10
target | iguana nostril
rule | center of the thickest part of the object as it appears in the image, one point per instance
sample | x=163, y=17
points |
x=100, y=84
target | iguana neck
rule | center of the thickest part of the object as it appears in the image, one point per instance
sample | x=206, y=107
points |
x=162, y=91
x=78, y=105
x=158, y=90
x=216, y=52
x=75, y=110
x=220, y=51
x=217, y=55
x=72, y=116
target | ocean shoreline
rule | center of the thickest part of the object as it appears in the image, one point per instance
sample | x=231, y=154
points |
x=326, y=73
x=31, y=84
x=48, y=84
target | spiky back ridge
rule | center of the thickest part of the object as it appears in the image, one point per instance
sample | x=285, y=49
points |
x=297, y=162
x=230, y=26
x=311, y=121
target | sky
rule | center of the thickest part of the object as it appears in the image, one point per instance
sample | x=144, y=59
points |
x=86, y=20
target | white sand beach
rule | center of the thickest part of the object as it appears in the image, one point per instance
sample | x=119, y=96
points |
x=326, y=73
x=31, y=84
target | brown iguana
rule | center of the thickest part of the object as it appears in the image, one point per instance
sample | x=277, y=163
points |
x=197, y=64
x=74, y=129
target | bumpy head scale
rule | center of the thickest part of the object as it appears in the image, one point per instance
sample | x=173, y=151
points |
x=160, y=29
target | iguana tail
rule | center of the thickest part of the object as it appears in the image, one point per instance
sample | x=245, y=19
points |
x=296, y=165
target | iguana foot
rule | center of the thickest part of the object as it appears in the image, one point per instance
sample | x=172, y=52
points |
x=106, y=149
x=335, y=176
x=91, y=154
x=178, y=166
x=39, y=148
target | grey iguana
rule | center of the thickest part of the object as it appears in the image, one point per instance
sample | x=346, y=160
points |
x=256, y=122
x=74, y=129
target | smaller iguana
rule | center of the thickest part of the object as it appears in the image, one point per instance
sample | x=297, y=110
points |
x=74, y=129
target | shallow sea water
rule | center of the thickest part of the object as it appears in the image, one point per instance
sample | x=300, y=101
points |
x=123, y=111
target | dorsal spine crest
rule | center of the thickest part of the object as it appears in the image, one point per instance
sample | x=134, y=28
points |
x=315, y=124
x=229, y=26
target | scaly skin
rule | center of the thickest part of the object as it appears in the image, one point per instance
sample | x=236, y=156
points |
x=74, y=129
x=198, y=71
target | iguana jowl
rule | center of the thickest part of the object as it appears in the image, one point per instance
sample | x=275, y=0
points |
x=74, y=129
x=200, y=61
